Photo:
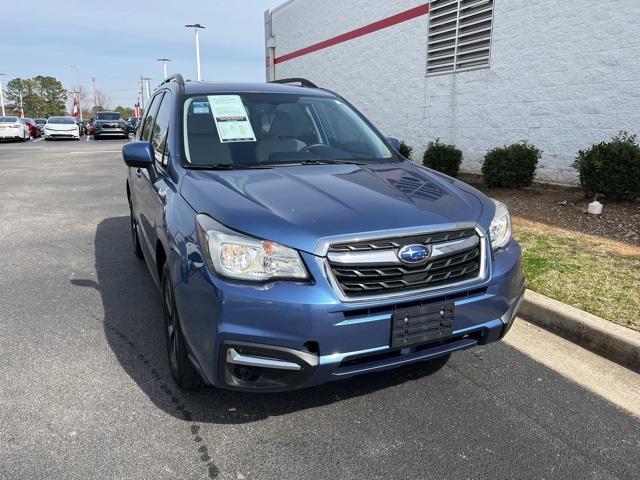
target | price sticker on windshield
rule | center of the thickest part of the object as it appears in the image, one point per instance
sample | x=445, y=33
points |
x=232, y=120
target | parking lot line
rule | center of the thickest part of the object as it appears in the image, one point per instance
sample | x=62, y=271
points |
x=93, y=151
x=38, y=139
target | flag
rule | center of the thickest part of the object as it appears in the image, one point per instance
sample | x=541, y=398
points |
x=137, y=112
x=75, y=111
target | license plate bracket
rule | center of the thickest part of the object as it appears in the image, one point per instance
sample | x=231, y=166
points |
x=414, y=325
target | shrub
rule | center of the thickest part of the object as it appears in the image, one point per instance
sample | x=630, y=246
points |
x=405, y=150
x=512, y=166
x=611, y=168
x=443, y=158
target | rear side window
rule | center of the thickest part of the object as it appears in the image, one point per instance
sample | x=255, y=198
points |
x=150, y=117
x=160, y=129
x=8, y=119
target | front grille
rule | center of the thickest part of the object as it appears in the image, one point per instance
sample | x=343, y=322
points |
x=386, y=244
x=360, y=280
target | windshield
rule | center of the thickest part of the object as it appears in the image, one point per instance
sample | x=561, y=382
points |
x=40, y=121
x=8, y=119
x=108, y=116
x=260, y=129
x=63, y=120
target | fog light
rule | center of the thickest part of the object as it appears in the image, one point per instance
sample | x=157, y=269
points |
x=246, y=374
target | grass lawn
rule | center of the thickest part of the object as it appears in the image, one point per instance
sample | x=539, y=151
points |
x=583, y=272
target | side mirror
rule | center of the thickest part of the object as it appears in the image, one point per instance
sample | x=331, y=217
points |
x=138, y=154
x=394, y=142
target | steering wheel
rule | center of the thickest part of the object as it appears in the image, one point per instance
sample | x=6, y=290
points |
x=308, y=148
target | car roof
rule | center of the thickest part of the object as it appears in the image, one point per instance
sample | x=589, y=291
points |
x=194, y=88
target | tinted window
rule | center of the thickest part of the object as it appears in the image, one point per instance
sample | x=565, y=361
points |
x=40, y=121
x=150, y=115
x=8, y=119
x=108, y=116
x=159, y=131
x=63, y=120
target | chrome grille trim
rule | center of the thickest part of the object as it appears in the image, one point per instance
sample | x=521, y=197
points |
x=390, y=257
x=483, y=270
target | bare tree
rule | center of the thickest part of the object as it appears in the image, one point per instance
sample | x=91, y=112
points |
x=103, y=100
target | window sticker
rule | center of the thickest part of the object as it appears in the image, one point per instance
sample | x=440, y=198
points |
x=200, y=108
x=232, y=120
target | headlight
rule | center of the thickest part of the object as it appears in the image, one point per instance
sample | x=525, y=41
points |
x=234, y=255
x=500, y=229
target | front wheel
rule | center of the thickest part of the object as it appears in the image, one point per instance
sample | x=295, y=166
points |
x=182, y=370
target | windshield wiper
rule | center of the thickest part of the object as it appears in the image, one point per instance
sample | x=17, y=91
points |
x=223, y=166
x=316, y=161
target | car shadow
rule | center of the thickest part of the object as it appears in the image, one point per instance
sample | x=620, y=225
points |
x=133, y=328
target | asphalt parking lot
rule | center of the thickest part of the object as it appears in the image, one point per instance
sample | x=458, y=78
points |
x=85, y=390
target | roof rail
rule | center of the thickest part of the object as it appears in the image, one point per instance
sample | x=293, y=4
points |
x=175, y=77
x=302, y=81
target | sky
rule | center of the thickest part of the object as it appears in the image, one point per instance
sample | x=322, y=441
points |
x=117, y=41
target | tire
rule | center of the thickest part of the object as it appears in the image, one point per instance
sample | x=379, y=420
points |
x=47, y=139
x=135, y=239
x=96, y=137
x=182, y=370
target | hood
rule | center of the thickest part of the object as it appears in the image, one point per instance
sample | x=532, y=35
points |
x=296, y=206
x=108, y=121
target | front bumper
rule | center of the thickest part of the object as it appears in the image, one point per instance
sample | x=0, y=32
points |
x=111, y=131
x=61, y=134
x=305, y=324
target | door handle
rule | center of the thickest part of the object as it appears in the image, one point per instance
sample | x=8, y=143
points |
x=162, y=195
x=138, y=173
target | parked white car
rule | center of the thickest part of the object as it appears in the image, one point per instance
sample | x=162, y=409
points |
x=61, y=127
x=11, y=128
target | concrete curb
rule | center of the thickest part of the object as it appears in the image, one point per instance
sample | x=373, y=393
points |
x=617, y=343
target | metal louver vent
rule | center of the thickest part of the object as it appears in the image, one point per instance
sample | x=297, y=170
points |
x=459, y=35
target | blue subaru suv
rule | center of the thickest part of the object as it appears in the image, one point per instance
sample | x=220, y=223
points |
x=294, y=245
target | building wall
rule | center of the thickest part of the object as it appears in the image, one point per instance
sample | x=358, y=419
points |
x=563, y=75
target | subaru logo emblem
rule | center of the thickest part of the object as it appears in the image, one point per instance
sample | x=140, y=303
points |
x=414, y=253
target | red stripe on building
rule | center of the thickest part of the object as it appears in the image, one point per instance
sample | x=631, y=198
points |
x=359, y=32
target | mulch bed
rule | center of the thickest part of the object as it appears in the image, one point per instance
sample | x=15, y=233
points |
x=566, y=208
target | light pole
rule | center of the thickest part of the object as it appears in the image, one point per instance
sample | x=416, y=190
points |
x=164, y=65
x=196, y=27
x=1, y=94
x=146, y=81
x=95, y=99
x=142, y=92
x=78, y=87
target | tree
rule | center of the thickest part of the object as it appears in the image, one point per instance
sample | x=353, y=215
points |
x=41, y=96
x=32, y=103
x=52, y=93
x=103, y=101
x=124, y=111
